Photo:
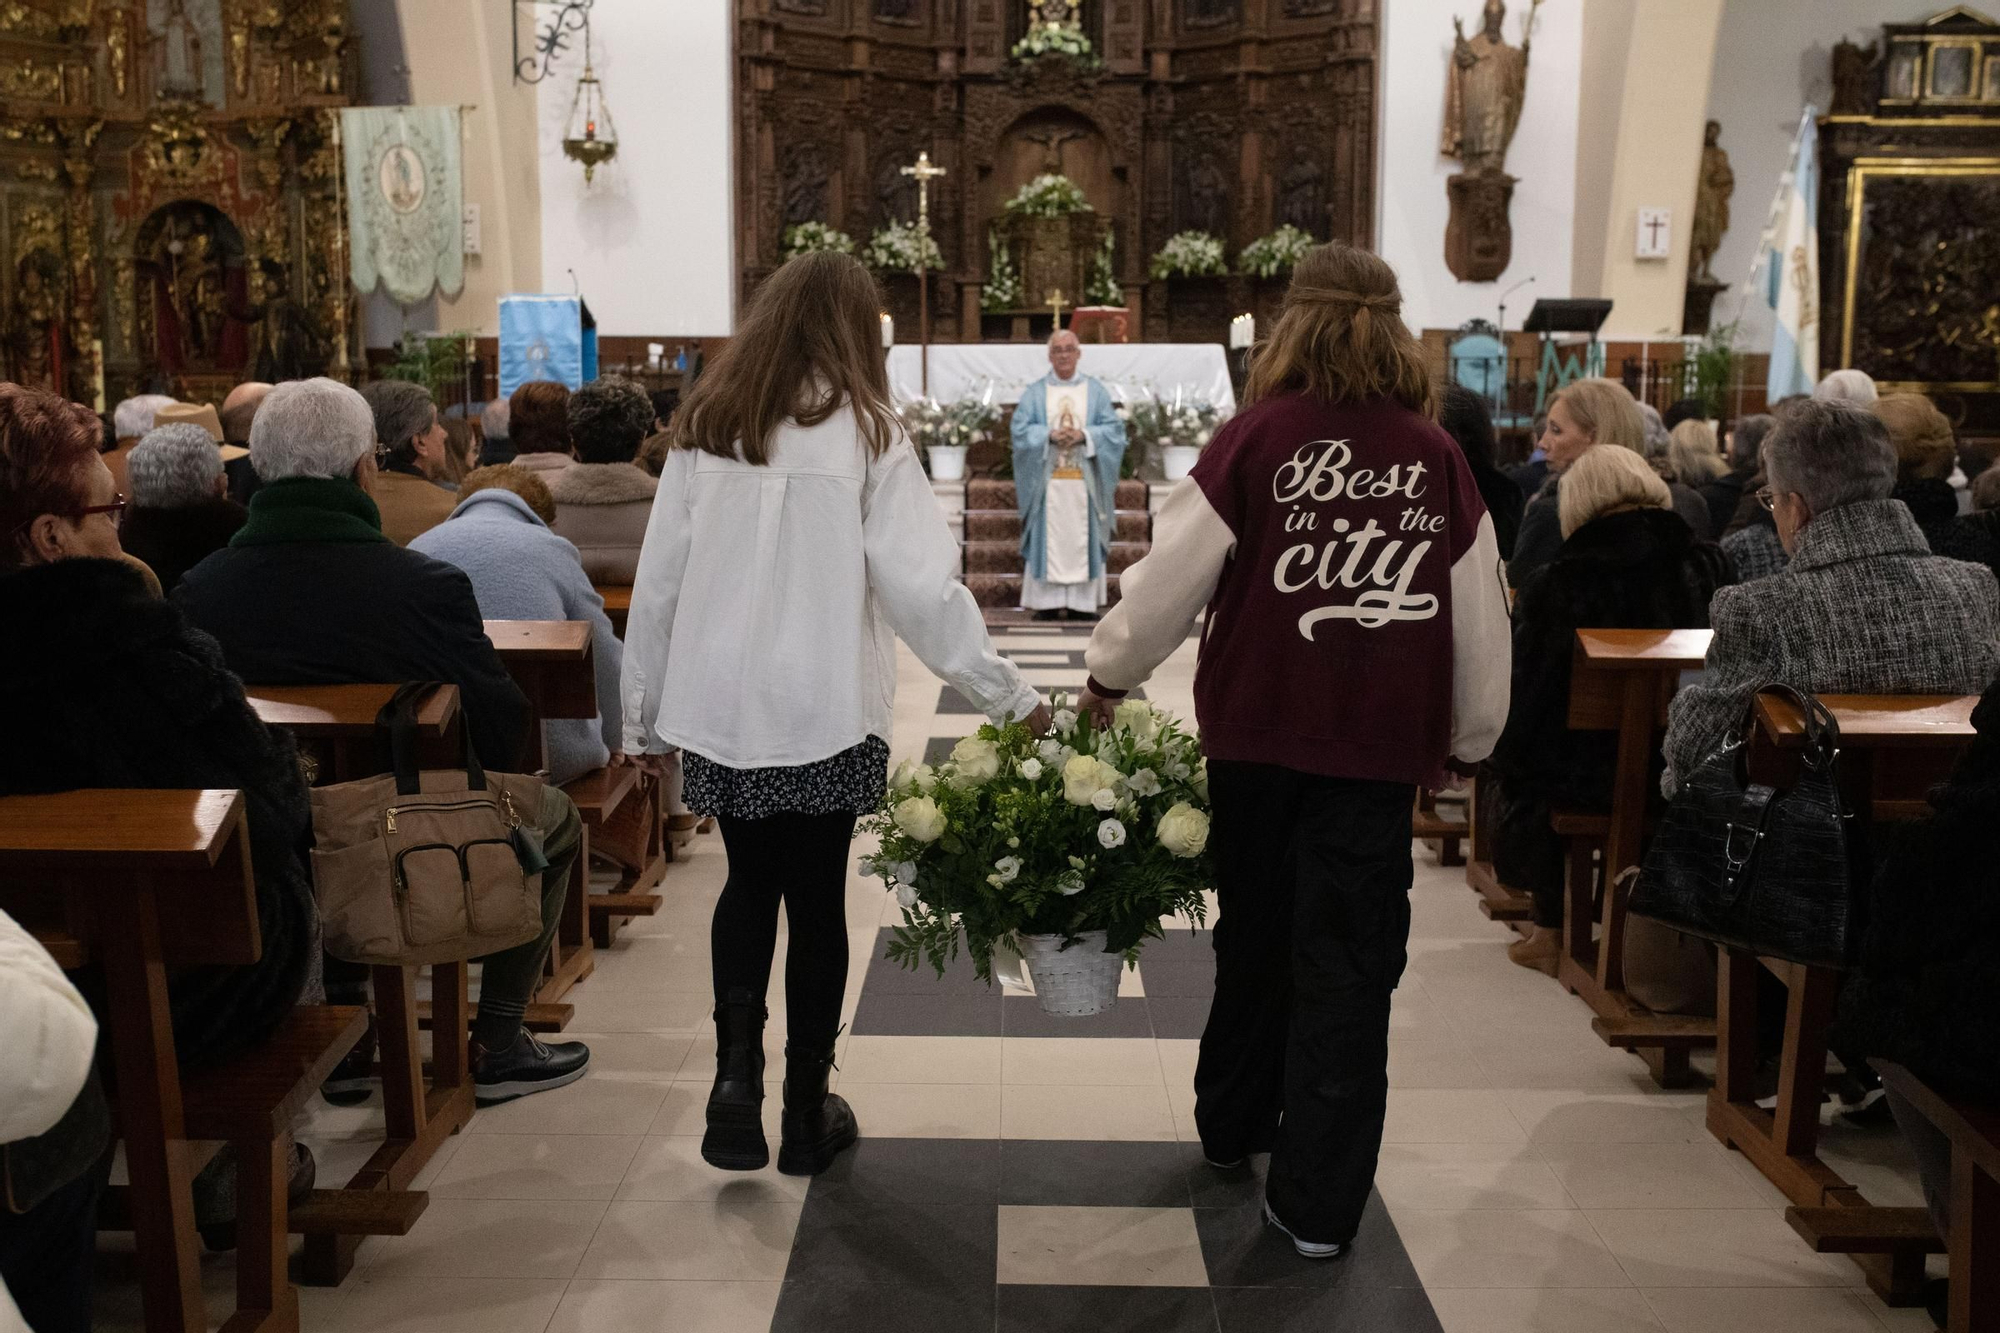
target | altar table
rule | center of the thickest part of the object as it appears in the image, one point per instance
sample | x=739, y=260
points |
x=1127, y=369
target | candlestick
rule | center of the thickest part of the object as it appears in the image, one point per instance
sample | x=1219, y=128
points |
x=888, y=330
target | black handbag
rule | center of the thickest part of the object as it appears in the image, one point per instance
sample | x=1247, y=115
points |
x=1752, y=867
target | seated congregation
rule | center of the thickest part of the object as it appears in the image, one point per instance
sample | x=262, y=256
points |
x=311, y=537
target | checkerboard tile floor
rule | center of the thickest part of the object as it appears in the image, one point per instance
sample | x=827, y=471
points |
x=1022, y=1174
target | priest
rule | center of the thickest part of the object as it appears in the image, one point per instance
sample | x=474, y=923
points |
x=1068, y=444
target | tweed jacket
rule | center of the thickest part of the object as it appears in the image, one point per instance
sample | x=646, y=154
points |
x=1864, y=608
x=1756, y=551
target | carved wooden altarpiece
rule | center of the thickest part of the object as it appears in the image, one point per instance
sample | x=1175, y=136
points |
x=1228, y=116
x=1910, y=185
x=167, y=191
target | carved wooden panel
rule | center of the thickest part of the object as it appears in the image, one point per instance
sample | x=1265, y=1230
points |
x=1929, y=263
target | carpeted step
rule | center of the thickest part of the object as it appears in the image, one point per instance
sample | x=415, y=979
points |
x=993, y=493
x=1005, y=589
x=1004, y=525
x=1004, y=557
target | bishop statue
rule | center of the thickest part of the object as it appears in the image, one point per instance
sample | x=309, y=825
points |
x=1484, y=90
x=1068, y=444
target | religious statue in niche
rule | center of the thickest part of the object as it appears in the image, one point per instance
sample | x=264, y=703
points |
x=1712, y=190
x=1485, y=88
x=1212, y=13
x=35, y=331
x=1854, y=69
x=194, y=263
x=1301, y=195
x=288, y=342
x=804, y=183
x=1204, y=196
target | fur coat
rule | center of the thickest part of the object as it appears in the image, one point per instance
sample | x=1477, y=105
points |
x=119, y=691
x=603, y=508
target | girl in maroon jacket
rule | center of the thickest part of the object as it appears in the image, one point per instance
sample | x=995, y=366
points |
x=1356, y=646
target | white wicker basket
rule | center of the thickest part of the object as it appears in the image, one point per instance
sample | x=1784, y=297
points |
x=1074, y=982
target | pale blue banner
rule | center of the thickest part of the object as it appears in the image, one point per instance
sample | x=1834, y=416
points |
x=541, y=338
x=405, y=200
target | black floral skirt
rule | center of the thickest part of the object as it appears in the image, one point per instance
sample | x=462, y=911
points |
x=852, y=781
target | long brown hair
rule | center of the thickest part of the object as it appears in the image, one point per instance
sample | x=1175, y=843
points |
x=1341, y=336
x=809, y=344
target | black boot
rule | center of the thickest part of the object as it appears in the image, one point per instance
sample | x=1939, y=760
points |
x=818, y=1125
x=735, y=1138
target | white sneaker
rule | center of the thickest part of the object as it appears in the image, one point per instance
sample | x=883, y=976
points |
x=1309, y=1249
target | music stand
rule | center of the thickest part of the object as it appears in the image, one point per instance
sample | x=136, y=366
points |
x=1567, y=316
x=1551, y=317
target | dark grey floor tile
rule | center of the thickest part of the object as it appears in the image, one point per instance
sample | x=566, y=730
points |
x=886, y=977
x=1364, y=1309
x=1212, y=1187
x=1177, y=1018
x=938, y=748
x=927, y=1016
x=943, y=1247
x=951, y=701
x=1052, y=1173
x=888, y=1172
x=1024, y=1018
x=1174, y=979
x=1242, y=1251
x=848, y=1307
x=1026, y=1309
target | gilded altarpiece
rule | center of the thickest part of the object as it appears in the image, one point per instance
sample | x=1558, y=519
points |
x=1230, y=116
x=168, y=215
x=1909, y=257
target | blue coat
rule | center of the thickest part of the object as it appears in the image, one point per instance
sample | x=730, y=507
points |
x=1034, y=460
x=522, y=571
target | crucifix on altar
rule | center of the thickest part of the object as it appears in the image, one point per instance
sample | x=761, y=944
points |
x=1056, y=301
x=924, y=173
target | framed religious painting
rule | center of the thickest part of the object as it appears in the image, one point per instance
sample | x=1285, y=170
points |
x=1989, y=86
x=1901, y=80
x=1953, y=72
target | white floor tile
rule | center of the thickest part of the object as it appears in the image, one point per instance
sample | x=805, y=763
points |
x=1507, y=1248
x=1696, y=1247
x=1544, y=1310
x=1762, y=1309
x=536, y=1166
x=488, y=1238
x=610, y=1306
x=735, y=1240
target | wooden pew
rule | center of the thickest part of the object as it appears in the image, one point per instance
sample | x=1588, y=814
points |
x=339, y=720
x=1621, y=682
x=1498, y=901
x=140, y=882
x=1887, y=741
x=617, y=603
x=1430, y=826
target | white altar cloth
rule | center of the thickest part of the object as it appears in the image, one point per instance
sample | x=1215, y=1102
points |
x=1127, y=369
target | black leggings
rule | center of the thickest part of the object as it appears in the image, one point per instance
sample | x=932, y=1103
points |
x=802, y=861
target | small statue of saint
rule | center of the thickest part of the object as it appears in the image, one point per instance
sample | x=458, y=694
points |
x=1711, y=204
x=1484, y=90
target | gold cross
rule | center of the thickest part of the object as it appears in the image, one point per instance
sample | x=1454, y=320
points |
x=925, y=173
x=1057, y=301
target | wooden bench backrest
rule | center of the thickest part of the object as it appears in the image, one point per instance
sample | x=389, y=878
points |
x=67, y=858
x=551, y=661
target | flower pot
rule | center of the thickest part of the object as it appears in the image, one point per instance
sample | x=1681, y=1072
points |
x=1074, y=982
x=947, y=462
x=1177, y=460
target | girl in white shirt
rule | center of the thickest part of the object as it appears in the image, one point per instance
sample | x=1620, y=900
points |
x=793, y=538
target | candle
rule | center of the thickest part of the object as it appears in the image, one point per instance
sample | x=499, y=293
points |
x=888, y=330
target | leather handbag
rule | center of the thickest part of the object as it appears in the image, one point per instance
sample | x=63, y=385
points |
x=428, y=866
x=1750, y=866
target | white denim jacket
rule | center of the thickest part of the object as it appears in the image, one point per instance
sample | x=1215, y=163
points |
x=768, y=600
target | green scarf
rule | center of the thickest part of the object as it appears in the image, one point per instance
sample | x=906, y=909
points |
x=310, y=509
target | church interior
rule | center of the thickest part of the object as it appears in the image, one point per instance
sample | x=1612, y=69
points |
x=1716, y=204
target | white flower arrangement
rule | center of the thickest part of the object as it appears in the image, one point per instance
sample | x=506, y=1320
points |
x=1057, y=39
x=1279, y=252
x=1104, y=287
x=1049, y=195
x=961, y=423
x=1190, y=254
x=1087, y=829
x=1002, y=289
x=1185, y=418
x=807, y=237
x=896, y=247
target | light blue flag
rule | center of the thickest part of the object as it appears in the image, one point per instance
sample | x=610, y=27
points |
x=1791, y=271
x=541, y=338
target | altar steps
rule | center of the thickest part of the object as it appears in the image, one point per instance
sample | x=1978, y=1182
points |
x=992, y=539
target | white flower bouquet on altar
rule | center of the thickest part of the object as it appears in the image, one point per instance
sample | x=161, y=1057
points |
x=1068, y=850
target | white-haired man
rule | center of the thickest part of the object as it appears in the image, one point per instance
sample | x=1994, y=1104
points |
x=1068, y=444
x=311, y=593
x=132, y=418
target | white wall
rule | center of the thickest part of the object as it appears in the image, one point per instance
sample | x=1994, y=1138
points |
x=1772, y=58
x=1417, y=44
x=651, y=239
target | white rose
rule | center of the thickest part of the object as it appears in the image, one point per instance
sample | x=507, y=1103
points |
x=1145, y=782
x=925, y=778
x=1184, y=830
x=1200, y=782
x=1065, y=720
x=1071, y=884
x=1136, y=716
x=1082, y=779
x=1111, y=833
x=977, y=760
x=905, y=774
x=919, y=818
x=906, y=895
x=904, y=872
x=866, y=868
x=1105, y=799
x=1031, y=769
x=1202, y=439
x=1050, y=750
x=1009, y=868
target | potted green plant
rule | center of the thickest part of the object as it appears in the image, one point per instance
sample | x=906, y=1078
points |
x=1174, y=430
x=1067, y=850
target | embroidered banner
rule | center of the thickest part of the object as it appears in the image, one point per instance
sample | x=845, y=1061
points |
x=405, y=200
x=541, y=338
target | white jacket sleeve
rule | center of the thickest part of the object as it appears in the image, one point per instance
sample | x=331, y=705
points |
x=913, y=575
x=51, y=1031
x=656, y=595
x=1160, y=596
x=1481, y=648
